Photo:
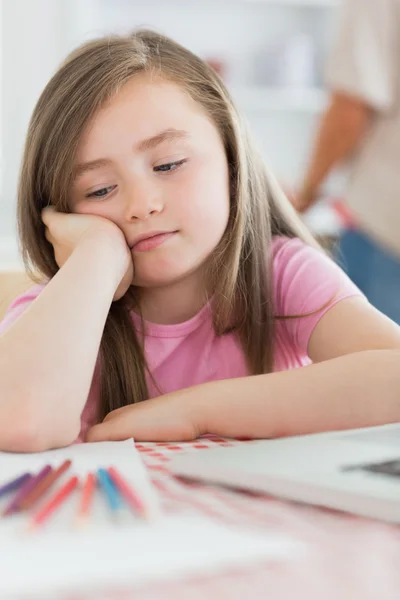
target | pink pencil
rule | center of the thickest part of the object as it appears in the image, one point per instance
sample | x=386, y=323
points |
x=61, y=495
x=87, y=496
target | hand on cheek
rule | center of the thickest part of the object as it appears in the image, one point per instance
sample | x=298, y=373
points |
x=163, y=419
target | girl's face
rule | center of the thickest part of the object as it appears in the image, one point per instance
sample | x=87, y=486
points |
x=152, y=162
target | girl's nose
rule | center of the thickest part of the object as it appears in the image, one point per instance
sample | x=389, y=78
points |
x=142, y=202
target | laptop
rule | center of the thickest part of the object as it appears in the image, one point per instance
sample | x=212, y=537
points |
x=357, y=470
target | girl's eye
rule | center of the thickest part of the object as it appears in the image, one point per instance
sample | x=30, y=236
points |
x=101, y=193
x=170, y=166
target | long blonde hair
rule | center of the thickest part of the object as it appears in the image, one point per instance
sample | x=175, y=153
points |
x=240, y=270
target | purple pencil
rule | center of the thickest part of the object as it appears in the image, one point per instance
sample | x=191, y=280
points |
x=27, y=487
x=14, y=484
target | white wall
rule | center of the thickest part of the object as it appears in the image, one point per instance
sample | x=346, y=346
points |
x=37, y=34
x=33, y=43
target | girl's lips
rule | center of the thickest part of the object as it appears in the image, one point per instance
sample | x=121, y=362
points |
x=152, y=242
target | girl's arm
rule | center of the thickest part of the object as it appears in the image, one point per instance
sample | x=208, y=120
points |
x=48, y=355
x=358, y=390
x=354, y=382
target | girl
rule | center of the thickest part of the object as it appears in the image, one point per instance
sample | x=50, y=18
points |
x=181, y=293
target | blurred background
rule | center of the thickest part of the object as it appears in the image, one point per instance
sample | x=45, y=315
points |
x=271, y=54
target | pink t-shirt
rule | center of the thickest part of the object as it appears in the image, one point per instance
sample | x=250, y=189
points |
x=190, y=353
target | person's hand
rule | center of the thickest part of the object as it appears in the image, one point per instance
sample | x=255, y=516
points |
x=65, y=231
x=172, y=417
x=304, y=199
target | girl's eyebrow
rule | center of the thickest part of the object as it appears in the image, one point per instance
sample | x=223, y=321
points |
x=147, y=144
x=164, y=136
x=92, y=165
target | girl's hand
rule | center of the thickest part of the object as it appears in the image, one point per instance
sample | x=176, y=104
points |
x=164, y=419
x=65, y=231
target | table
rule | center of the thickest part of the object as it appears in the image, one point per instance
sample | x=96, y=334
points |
x=347, y=557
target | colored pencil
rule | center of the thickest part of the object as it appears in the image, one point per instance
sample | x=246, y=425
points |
x=87, y=496
x=14, y=484
x=111, y=492
x=43, y=486
x=28, y=486
x=60, y=496
x=128, y=493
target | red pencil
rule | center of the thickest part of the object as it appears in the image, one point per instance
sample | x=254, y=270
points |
x=87, y=496
x=127, y=492
x=60, y=496
x=43, y=486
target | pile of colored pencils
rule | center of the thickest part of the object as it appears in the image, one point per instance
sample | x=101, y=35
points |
x=28, y=489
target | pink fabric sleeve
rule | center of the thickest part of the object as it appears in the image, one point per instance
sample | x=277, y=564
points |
x=306, y=281
x=19, y=306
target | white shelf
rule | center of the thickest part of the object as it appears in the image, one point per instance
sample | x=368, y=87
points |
x=261, y=99
x=297, y=3
x=305, y=3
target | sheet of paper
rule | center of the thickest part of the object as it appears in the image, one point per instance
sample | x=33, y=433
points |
x=86, y=458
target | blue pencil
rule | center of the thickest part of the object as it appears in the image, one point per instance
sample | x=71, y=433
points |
x=14, y=484
x=111, y=492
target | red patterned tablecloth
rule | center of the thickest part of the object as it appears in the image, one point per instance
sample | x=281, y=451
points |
x=346, y=558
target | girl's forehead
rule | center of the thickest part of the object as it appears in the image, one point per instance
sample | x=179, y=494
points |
x=144, y=94
x=143, y=107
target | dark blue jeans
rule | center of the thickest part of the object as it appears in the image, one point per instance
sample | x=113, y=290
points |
x=374, y=271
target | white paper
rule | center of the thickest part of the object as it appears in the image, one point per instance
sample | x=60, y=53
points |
x=61, y=557
x=86, y=458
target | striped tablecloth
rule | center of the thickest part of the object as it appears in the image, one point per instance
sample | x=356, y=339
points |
x=347, y=558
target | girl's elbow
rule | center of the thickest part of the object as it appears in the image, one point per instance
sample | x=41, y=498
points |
x=28, y=435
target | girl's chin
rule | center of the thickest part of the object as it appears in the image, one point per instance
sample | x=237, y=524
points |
x=155, y=279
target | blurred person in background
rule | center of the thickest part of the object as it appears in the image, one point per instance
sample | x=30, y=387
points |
x=362, y=123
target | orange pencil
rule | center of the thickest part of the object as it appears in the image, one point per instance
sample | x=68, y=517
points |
x=127, y=492
x=87, y=496
x=43, y=486
x=54, y=502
